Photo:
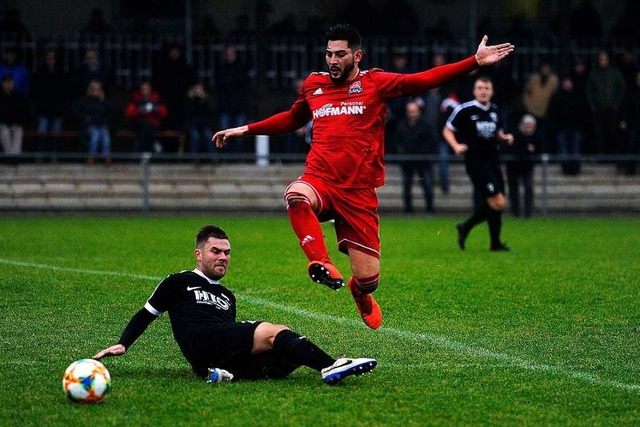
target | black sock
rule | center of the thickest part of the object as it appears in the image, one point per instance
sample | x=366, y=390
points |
x=300, y=351
x=494, y=218
x=478, y=216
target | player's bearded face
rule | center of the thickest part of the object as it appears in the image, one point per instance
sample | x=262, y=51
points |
x=341, y=60
x=213, y=258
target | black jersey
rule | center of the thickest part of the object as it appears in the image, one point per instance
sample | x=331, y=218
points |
x=477, y=126
x=194, y=302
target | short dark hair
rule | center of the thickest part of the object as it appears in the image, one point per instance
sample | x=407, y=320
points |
x=484, y=78
x=345, y=32
x=209, y=231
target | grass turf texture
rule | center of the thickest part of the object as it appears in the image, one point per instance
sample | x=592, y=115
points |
x=544, y=335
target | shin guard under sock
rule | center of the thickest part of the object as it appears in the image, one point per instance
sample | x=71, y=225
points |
x=307, y=227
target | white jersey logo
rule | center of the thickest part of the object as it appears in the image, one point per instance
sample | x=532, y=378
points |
x=486, y=130
x=204, y=297
x=318, y=91
x=346, y=108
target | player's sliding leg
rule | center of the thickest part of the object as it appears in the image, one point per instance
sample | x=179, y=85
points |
x=307, y=227
x=300, y=351
x=365, y=280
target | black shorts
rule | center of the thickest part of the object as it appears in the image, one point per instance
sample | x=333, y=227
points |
x=486, y=175
x=228, y=346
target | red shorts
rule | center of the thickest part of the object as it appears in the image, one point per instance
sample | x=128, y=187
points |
x=355, y=211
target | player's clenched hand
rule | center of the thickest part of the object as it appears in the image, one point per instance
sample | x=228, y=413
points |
x=221, y=137
x=114, y=350
x=487, y=55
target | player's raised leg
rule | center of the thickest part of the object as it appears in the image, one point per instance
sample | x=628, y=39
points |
x=301, y=204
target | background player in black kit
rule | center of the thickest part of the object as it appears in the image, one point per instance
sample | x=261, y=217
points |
x=475, y=130
x=203, y=320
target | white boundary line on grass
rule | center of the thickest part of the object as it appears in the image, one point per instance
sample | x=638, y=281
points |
x=436, y=340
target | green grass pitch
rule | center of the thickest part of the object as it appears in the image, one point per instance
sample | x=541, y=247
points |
x=545, y=335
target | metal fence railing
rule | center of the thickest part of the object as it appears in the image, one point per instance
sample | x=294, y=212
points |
x=132, y=57
x=546, y=181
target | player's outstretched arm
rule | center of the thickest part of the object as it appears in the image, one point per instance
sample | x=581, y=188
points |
x=136, y=327
x=487, y=55
x=222, y=137
x=114, y=350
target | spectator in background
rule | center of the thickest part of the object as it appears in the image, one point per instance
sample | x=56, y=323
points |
x=173, y=78
x=198, y=114
x=579, y=73
x=15, y=112
x=448, y=104
x=568, y=115
x=631, y=124
x=628, y=66
x=295, y=142
x=95, y=114
x=538, y=91
x=520, y=169
x=50, y=96
x=413, y=137
x=605, y=94
x=396, y=108
x=92, y=68
x=146, y=113
x=18, y=72
x=232, y=93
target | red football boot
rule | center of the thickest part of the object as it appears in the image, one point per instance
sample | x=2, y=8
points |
x=326, y=274
x=367, y=306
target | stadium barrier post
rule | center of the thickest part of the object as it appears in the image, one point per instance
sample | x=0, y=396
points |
x=262, y=150
x=545, y=183
x=145, y=162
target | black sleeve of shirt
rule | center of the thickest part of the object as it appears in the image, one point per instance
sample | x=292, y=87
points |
x=136, y=326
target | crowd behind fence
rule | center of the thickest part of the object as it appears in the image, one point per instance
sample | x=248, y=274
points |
x=131, y=58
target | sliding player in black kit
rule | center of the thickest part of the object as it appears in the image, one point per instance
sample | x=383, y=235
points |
x=475, y=130
x=203, y=320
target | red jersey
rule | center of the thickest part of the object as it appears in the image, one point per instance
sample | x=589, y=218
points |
x=349, y=118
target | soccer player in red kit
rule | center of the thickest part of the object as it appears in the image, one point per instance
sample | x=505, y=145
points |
x=348, y=107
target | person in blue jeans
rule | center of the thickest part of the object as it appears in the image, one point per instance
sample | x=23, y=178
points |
x=94, y=112
x=568, y=120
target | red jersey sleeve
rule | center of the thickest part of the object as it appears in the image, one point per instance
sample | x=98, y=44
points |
x=285, y=122
x=427, y=80
x=398, y=85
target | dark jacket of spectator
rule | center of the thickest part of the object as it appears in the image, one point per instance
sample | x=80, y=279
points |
x=232, y=88
x=172, y=77
x=414, y=138
x=567, y=111
x=14, y=108
x=50, y=91
x=90, y=110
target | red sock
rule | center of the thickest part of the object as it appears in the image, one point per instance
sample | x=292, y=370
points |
x=307, y=227
x=367, y=285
